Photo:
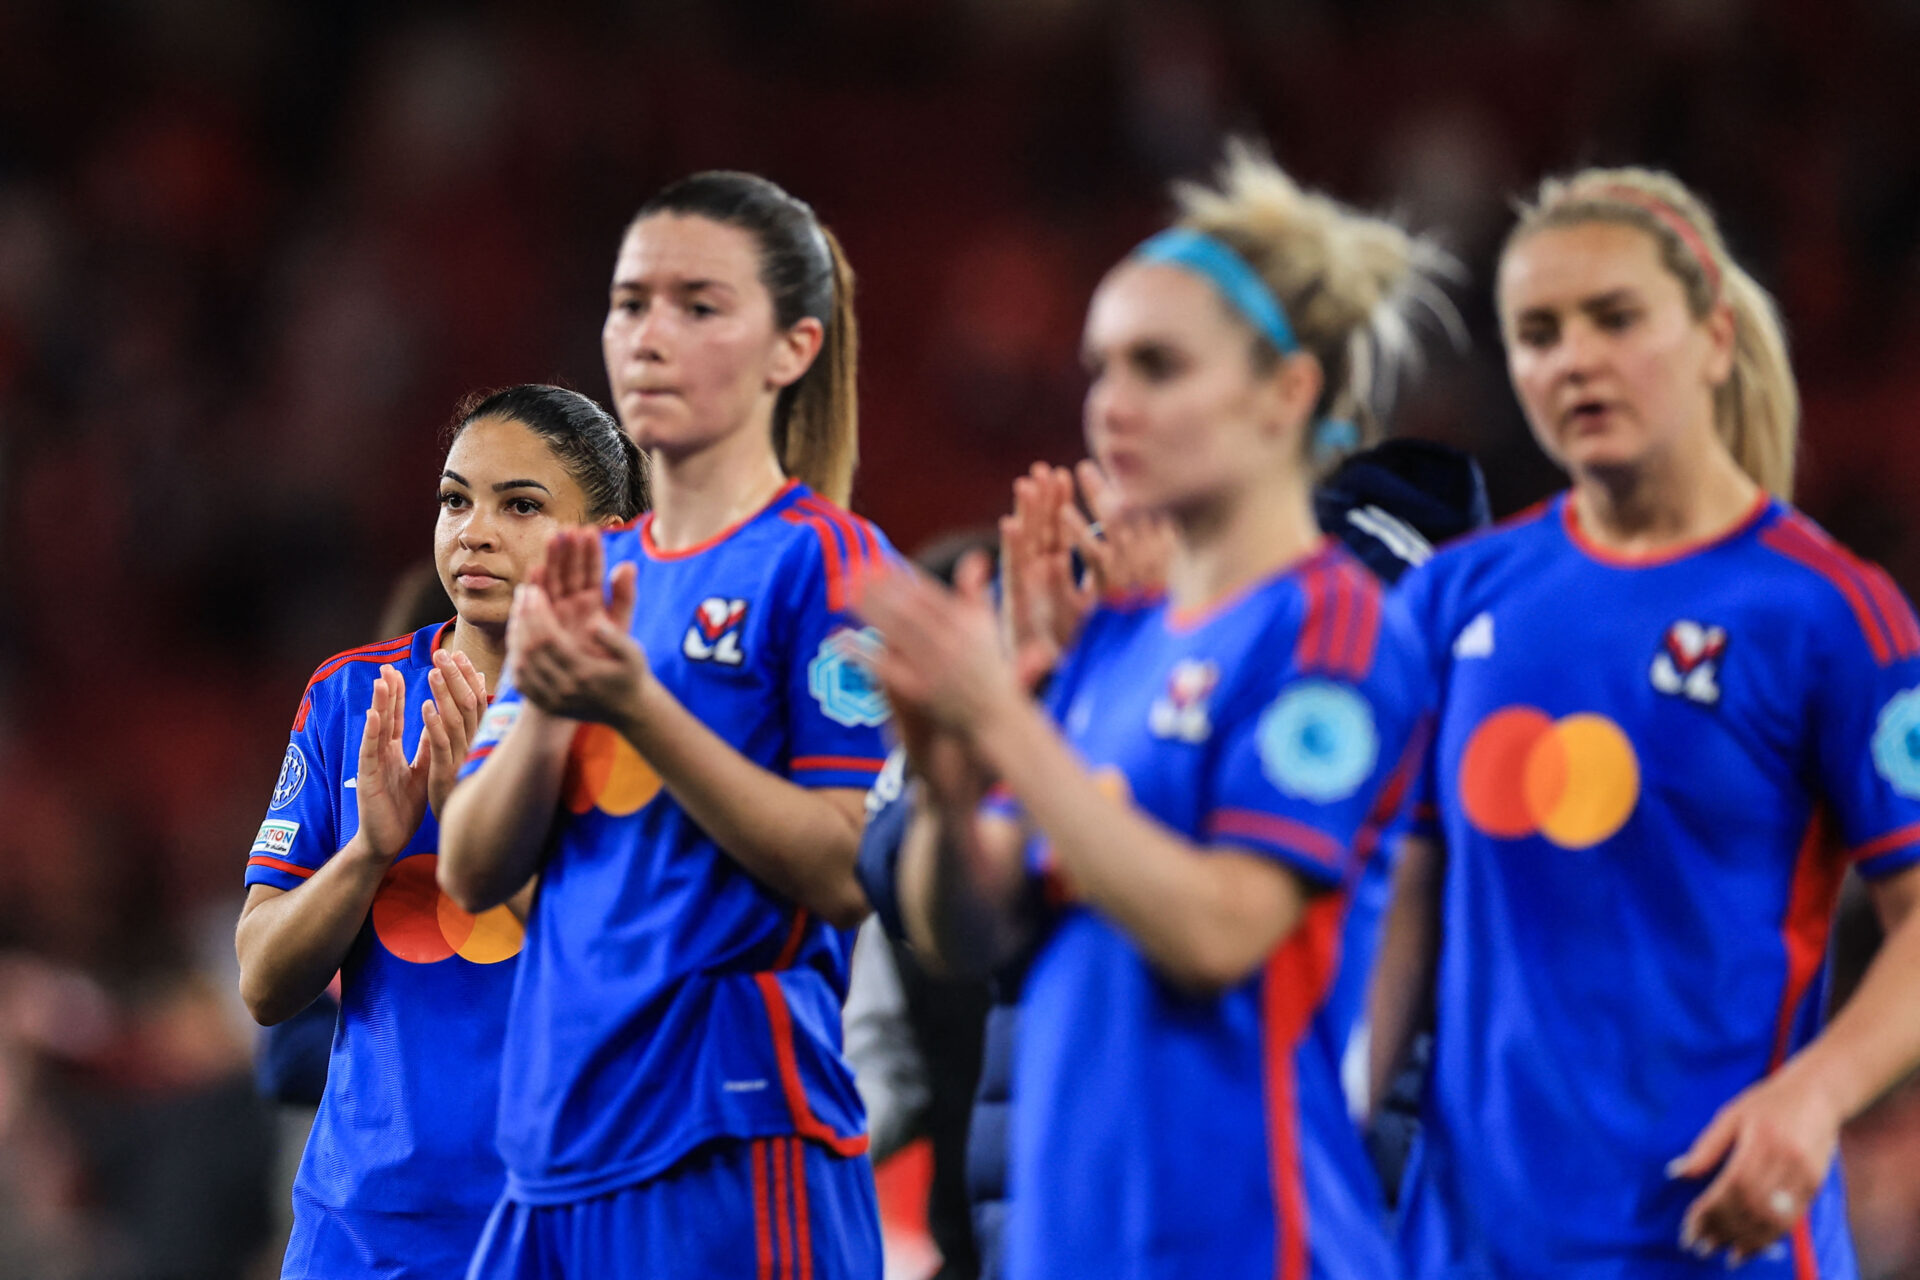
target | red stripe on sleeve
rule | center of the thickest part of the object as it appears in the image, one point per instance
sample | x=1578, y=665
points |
x=1271, y=828
x=1895, y=609
x=1340, y=635
x=1313, y=586
x=805, y=1123
x=1803, y=933
x=1366, y=632
x=1794, y=540
x=862, y=547
x=829, y=554
x=851, y=764
x=280, y=864
x=1887, y=843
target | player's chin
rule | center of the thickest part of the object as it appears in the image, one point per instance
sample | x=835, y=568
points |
x=487, y=608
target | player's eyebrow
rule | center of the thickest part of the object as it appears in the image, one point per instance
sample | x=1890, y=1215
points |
x=455, y=476
x=505, y=485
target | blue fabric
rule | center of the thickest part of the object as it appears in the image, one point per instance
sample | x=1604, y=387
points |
x=878, y=866
x=772, y=1208
x=400, y=1170
x=668, y=998
x=1646, y=778
x=1158, y=1133
x=1228, y=272
x=290, y=1064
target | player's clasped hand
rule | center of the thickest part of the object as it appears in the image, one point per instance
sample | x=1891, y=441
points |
x=568, y=640
x=1772, y=1146
x=940, y=654
x=394, y=792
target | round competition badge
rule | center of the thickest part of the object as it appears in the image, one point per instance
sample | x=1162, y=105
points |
x=1317, y=741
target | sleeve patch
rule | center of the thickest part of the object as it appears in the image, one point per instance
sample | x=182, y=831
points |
x=275, y=838
x=840, y=677
x=500, y=717
x=293, y=776
x=1317, y=741
x=1896, y=743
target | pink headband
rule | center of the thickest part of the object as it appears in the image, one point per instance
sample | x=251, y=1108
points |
x=1673, y=220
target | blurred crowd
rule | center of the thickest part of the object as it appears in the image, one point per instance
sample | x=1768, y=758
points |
x=252, y=254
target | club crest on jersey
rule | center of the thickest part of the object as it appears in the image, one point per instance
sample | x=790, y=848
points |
x=1180, y=712
x=1688, y=663
x=1896, y=743
x=714, y=635
x=840, y=677
x=293, y=776
x=1317, y=741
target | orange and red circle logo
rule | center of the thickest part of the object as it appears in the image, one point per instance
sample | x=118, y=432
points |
x=420, y=924
x=604, y=772
x=1574, y=780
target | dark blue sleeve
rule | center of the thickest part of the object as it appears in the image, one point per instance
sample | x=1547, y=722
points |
x=889, y=810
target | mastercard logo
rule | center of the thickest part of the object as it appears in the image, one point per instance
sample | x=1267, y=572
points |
x=604, y=772
x=1574, y=780
x=420, y=924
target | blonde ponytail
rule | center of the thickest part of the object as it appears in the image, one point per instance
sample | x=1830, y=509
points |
x=1756, y=411
x=1349, y=282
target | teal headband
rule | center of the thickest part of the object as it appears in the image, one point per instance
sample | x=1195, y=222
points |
x=1228, y=272
x=1213, y=260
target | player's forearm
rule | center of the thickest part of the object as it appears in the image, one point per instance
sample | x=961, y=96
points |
x=793, y=840
x=291, y=944
x=1205, y=920
x=494, y=832
x=1402, y=986
x=1874, y=1041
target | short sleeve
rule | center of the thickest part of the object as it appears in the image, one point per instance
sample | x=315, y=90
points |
x=1866, y=733
x=836, y=710
x=1297, y=775
x=301, y=830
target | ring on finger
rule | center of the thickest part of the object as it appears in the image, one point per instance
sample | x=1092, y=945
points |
x=1783, y=1203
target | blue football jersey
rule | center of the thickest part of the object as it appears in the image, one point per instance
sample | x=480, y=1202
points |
x=400, y=1171
x=668, y=998
x=1650, y=777
x=1157, y=1133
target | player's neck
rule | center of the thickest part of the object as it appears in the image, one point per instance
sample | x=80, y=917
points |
x=1240, y=541
x=485, y=647
x=697, y=496
x=1656, y=507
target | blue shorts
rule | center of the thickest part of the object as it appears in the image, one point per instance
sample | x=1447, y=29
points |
x=771, y=1209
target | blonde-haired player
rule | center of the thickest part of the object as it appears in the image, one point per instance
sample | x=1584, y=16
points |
x=1175, y=832
x=1673, y=711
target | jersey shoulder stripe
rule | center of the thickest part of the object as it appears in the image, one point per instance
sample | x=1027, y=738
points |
x=1884, y=617
x=383, y=651
x=849, y=546
x=1341, y=629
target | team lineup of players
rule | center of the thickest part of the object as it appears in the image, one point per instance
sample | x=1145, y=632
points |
x=584, y=857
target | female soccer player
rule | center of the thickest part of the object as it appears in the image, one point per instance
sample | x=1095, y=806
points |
x=673, y=1097
x=1210, y=773
x=1673, y=710
x=400, y=1170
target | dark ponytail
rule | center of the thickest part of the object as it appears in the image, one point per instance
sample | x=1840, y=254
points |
x=816, y=419
x=588, y=443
